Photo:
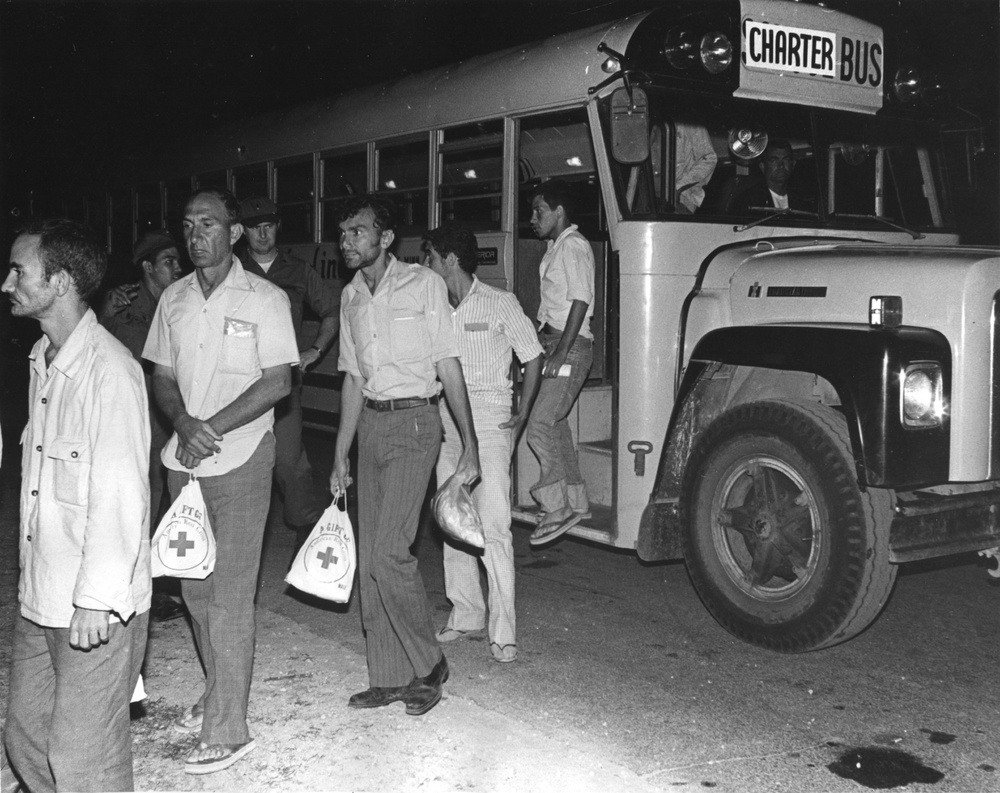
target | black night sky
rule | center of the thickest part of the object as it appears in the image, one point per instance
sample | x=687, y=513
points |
x=83, y=82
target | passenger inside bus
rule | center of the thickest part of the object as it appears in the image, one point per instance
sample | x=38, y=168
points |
x=693, y=166
x=769, y=185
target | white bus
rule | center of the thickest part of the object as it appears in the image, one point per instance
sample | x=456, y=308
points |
x=792, y=400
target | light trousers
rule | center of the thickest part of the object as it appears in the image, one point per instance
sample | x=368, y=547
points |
x=560, y=483
x=491, y=495
x=67, y=725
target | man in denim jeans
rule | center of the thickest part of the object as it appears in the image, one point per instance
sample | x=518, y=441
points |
x=564, y=312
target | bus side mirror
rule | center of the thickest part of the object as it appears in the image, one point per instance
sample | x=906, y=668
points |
x=629, y=126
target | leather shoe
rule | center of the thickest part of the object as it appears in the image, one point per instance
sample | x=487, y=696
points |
x=377, y=697
x=425, y=692
x=438, y=676
x=421, y=699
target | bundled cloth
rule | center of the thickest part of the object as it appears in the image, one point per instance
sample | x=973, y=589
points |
x=456, y=513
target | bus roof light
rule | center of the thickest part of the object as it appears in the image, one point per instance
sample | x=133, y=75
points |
x=716, y=52
x=611, y=66
x=907, y=84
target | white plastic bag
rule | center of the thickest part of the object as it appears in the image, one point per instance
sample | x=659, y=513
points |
x=325, y=564
x=184, y=546
x=456, y=513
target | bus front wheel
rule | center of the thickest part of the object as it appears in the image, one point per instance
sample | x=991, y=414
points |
x=781, y=544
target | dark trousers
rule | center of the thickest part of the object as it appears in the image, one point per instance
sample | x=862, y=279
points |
x=67, y=724
x=292, y=471
x=396, y=454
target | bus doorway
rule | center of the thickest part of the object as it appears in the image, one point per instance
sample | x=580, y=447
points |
x=559, y=146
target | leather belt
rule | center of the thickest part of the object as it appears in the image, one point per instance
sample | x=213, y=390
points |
x=400, y=404
x=548, y=330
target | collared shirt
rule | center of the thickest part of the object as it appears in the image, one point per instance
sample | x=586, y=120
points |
x=84, y=481
x=567, y=274
x=218, y=348
x=394, y=338
x=301, y=283
x=489, y=323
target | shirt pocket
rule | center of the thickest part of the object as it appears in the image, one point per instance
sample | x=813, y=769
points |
x=408, y=336
x=70, y=460
x=239, y=347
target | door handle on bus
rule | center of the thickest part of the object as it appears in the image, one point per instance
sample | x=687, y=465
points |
x=640, y=449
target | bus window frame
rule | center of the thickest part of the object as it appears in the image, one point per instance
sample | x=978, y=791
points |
x=311, y=202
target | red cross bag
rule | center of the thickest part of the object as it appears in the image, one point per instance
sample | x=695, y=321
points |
x=184, y=546
x=325, y=564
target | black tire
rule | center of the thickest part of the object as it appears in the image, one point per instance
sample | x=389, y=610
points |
x=803, y=566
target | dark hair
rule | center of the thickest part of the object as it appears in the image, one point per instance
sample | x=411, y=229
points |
x=461, y=242
x=225, y=196
x=71, y=246
x=778, y=143
x=382, y=208
x=557, y=193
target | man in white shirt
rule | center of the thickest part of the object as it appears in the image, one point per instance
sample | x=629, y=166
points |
x=567, y=304
x=223, y=345
x=84, y=551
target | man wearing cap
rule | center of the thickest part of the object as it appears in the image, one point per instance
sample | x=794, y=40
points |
x=304, y=286
x=128, y=314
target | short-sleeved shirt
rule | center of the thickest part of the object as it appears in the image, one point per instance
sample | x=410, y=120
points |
x=567, y=274
x=218, y=348
x=301, y=283
x=489, y=323
x=84, y=481
x=394, y=338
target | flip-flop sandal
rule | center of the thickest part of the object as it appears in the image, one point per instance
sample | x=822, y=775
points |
x=451, y=634
x=540, y=536
x=233, y=752
x=189, y=722
x=505, y=654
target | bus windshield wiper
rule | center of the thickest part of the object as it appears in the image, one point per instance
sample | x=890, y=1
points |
x=776, y=214
x=915, y=234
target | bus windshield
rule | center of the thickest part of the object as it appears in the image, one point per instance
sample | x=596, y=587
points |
x=711, y=159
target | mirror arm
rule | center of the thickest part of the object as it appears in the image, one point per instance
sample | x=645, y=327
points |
x=623, y=73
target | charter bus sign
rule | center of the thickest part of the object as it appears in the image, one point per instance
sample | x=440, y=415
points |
x=810, y=56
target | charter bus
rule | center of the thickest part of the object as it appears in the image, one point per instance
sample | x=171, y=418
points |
x=794, y=400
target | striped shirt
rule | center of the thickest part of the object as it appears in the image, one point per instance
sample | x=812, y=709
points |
x=489, y=323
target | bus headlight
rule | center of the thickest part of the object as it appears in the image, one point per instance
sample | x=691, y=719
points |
x=716, y=52
x=922, y=395
x=680, y=48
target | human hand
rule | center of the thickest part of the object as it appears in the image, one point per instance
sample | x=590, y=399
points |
x=554, y=363
x=119, y=298
x=468, y=470
x=340, y=478
x=196, y=440
x=308, y=358
x=88, y=628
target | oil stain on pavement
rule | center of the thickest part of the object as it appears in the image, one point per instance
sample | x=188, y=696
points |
x=881, y=769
